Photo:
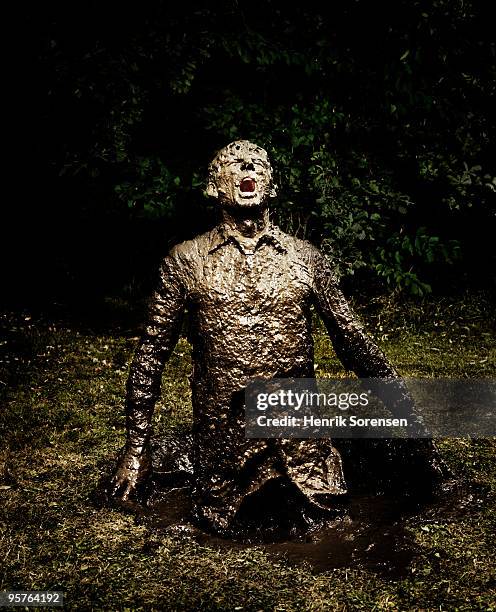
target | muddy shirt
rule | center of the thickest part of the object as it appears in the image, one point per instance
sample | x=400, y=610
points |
x=249, y=305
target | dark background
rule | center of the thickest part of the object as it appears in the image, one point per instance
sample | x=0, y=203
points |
x=379, y=119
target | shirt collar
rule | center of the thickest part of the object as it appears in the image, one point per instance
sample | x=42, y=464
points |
x=225, y=234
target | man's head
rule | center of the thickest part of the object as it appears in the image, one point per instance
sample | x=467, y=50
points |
x=240, y=175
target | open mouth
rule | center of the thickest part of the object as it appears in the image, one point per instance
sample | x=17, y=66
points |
x=247, y=185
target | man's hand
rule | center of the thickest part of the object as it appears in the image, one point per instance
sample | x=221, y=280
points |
x=133, y=466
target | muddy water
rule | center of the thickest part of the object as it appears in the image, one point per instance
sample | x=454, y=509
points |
x=369, y=532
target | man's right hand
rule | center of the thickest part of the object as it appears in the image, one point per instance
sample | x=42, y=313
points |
x=133, y=466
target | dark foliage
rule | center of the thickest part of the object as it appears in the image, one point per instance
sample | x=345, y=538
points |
x=379, y=118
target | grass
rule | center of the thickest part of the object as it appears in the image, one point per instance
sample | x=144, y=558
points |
x=62, y=423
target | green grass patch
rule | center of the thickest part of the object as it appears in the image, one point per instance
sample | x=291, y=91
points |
x=62, y=422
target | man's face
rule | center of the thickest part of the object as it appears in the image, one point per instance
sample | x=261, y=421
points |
x=243, y=177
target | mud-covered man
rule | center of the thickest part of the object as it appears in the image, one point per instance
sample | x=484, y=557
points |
x=248, y=288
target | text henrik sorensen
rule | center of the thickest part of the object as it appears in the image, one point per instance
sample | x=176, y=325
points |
x=336, y=421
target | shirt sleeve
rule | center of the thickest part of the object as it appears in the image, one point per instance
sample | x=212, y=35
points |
x=160, y=336
x=354, y=348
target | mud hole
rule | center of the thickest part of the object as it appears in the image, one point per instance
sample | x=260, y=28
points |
x=367, y=531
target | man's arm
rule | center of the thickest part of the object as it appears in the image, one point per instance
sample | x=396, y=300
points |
x=354, y=348
x=416, y=462
x=143, y=385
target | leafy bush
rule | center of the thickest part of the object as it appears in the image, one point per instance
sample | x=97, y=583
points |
x=379, y=123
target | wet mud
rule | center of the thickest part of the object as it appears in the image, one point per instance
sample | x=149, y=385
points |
x=364, y=531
